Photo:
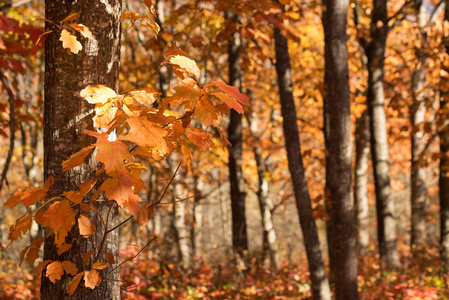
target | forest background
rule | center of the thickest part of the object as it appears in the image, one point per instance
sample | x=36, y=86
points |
x=221, y=220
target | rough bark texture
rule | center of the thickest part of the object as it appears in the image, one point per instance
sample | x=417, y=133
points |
x=65, y=117
x=339, y=149
x=239, y=232
x=417, y=115
x=320, y=283
x=386, y=220
x=444, y=149
x=360, y=181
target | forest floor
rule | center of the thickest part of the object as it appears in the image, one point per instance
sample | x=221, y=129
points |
x=147, y=277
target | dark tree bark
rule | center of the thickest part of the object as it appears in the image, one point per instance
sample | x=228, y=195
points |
x=339, y=151
x=320, y=283
x=386, y=219
x=65, y=117
x=360, y=181
x=444, y=150
x=239, y=232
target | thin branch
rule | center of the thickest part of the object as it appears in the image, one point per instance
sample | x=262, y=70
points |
x=11, y=128
x=134, y=256
x=395, y=16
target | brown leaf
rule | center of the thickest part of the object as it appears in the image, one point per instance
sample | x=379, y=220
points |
x=75, y=282
x=99, y=265
x=109, y=258
x=69, y=267
x=54, y=271
x=86, y=227
x=92, y=279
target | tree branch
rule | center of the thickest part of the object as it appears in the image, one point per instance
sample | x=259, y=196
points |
x=11, y=128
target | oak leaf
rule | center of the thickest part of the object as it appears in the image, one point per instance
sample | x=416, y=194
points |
x=86, y=227
x=54, y=271
x=185, y=65
x=97, y=93
x=91, y=279
x=75, y=282
x=84, y=30
x=205, y=111
x=69, y=267
x=144, y=133
x=99, y=265
x=70, y=42
x=199, y=138
x=77, y=158
x=231, y=91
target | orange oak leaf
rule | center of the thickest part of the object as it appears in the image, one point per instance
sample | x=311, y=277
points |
x=199, y=138
x=28, y=197
x=54, y=271
x=145, y=213
x=86, y=227
x=91, y=279
x=144, y=96
x=205, y=111
x=40, y=267
x=63, y=248
x=231, y=102
x=133, y=16
x=32, y=251
x=70, y=42
x=77, y=158
x=99, y=265
x=97, y=94
x=69, y=267
x=84, y=30
x=75, y=282
x=111, y=154
x=231, y=91
x=135, y=169
x=21, y=226
x=144, y=132
x=58, y=216
x=78, y=196
x=174, y=50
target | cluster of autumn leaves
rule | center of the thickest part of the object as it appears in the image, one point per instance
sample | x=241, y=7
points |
x=154, y=127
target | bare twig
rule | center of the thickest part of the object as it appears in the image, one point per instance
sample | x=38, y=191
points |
x=134, y=256
x=11, y=128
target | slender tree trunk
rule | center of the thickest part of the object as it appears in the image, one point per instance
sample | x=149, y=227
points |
x=65, y=117
x=182, y=234
x=320, y=284
x=265, y=202
x=239, y=233
x=360, y=181
x=444, y=150
x=417, y=115
x=196, y=231
x=339, y=149
x=386, y=219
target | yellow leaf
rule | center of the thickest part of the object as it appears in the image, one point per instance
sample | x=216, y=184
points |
x=97, y=93
x=70, y=42
x=92, y=279
x=87, y=228
x=185, y=65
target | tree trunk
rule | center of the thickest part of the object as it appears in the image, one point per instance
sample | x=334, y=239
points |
x=197, y=212
x=320, y=284
x=339, y=149
x=239, y=234
x=360, y=181
x=182, y=234
x=444, y=150
x=65, y=117
x=386, y=220
x=265, y=202
x=417, y=115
